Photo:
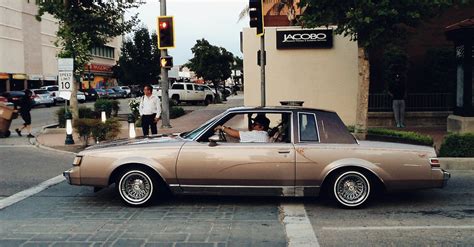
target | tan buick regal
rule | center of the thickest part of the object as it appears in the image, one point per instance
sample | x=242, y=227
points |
x=309, y=151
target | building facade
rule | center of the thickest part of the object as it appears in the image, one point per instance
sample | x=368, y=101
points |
x=324, y=77
x=29, y=56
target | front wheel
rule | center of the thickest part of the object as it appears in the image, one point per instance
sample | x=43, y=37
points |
x=136, y=187
x=351, y=189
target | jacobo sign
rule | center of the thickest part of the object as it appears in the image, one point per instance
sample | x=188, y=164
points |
x=304, y=39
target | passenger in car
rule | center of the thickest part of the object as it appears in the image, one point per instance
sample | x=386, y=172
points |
x=258, y=132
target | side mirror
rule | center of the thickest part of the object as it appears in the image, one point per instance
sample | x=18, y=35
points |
x=213, y=140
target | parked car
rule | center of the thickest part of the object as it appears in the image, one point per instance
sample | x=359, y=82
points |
x=111, y=94
x=81, y=97
x=310, y=152
x=127, y=90
x=14, y=96
x=120, y=92
x=101, y=93
x=91, y=94
x=4, y=101
x=42, y=97
x=54, y=91
x=189, y=92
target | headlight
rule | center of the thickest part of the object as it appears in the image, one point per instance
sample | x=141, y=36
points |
x=77, y=161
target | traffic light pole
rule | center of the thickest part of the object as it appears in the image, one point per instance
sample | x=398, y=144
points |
x=165, y=100
x=262, y=69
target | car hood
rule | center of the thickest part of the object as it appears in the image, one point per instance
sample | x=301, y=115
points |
x=139, y=141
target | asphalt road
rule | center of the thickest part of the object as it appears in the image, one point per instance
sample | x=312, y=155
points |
x=435, y=217
x=71, y=215
x=22, y=167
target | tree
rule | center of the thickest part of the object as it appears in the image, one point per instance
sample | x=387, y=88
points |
x=210, y=62
x=84, y=24
x=370, y=23
x=139, y=60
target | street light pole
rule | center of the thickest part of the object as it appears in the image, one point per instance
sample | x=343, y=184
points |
x=165, y=113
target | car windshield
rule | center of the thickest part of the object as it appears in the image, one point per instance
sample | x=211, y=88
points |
x=193, y=133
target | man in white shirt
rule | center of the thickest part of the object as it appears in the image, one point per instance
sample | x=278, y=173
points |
x=258, y=132
x=150, y=111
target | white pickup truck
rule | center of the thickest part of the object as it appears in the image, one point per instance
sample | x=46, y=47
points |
x=189, y=92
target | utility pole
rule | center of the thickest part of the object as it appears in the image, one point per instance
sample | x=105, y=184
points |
x=165, y=100
x=262, y=69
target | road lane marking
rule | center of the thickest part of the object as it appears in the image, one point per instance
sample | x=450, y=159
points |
x=297, y=225
x=29, y=192
x=388, y=228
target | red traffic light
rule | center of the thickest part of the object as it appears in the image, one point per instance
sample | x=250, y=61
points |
x=165, y=32
x=163, y=25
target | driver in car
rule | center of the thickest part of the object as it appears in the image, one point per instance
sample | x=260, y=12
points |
x=258, y=131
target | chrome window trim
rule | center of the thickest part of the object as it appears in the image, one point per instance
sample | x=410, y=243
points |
x=299, y=129
x=251, y=111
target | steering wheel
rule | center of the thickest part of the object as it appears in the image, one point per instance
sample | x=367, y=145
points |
x=222, y=135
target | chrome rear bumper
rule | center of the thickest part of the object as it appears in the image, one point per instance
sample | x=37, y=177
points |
x=446, y=177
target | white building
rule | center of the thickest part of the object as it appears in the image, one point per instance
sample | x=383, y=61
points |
x=27, y=51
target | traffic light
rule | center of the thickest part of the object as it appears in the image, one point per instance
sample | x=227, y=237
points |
x=256, y=15
x=165, y=32
x=166, y=62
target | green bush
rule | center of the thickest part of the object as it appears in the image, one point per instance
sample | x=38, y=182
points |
x=60, y=117
x=111, y=107
x=457, y=145
x=106, y=131
x=402, y=136
x=176, y=112
x=84, y=128
x=84, y=112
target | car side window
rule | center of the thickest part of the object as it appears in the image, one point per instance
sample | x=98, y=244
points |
x=178, y=87
x=189, y=87
x=332, y=129
x=308, y=131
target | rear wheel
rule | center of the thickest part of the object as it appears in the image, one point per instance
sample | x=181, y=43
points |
x=175, y=99
x=351, y=188
x=208, y=100
x=136, y=186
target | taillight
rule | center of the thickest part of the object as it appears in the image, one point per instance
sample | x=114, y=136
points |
x=434, y=162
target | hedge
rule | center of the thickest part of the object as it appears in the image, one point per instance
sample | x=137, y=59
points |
x=402, y=136
x=457, y=145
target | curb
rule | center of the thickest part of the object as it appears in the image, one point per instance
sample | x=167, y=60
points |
x=41, y=146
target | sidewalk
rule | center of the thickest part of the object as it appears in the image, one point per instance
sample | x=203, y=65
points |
x=54, y=138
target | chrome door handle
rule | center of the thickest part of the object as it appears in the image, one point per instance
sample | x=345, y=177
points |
x=284, y=152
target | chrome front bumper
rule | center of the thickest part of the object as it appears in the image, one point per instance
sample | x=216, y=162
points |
x=67, y=175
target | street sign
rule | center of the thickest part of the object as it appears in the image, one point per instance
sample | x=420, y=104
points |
x=65, y=84
x=65, y=64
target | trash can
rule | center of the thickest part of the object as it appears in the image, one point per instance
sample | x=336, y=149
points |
x=7, y=114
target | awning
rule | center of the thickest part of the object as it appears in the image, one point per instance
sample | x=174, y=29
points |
x=35, y=77
x=19, y=76
x=50, y=78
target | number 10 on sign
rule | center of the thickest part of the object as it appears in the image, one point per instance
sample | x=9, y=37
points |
x=65, y=81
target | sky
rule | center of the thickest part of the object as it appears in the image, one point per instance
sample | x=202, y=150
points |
x=214, y=20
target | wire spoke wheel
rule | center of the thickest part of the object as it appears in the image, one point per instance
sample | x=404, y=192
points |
x=351, y=189
x=135, y=187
